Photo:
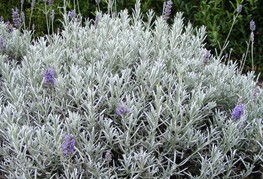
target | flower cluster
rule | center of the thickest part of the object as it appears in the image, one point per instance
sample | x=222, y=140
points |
x=110, y=3
x=49, y=77
x=16, y=18
x=108, y=156
x=52, y=14
x=239, y=8
x=167, y=9
x=69, y=145
x=9, y=27
x=22, y=14
x=122, y=110
x=206, y=56
x=238, y=111
x=33, y=3
x=252, y=25
x=50, y=2
x=72, y=14
x=2, y=41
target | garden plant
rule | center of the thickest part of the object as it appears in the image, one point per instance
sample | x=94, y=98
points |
x=125, y=97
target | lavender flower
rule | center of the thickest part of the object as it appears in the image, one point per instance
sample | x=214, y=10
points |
x=2, y=45
x=239, y=8
x=33, y=3
x=16, y=18
x=111, y=3
x=97, y=1
x=97, y=18
x=206, y=56
x=72, y=14
x=167, y=9
x=122, y=110
x=255, y=94
x=9, y=27
x=252, y=25
x=252, y=37
x=238, y=111
x=49, y=77
x=52, y=14
x=108, y=156
x=69, y=145
x=50, y=2
x=22, y=14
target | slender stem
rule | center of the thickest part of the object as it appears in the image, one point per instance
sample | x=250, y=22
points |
x=52, y=26
x=53, y=100
x=31, y=14
x=21, y=10
x=228, y=35
x=78, y=7
x=47, y=21
x=252, y=58
x=244, y=57
x=21, y=7
x=115, y=2
x=74, y=4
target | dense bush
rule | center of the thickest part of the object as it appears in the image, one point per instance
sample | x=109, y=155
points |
x=12, y=43
x=124, y=98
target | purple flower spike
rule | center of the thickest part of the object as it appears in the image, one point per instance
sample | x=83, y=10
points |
x=108, y=156
x=69, y=145
x=122, y=110
x=33, y=3
x=239, y=8
x=2, y=43
x=52, y=14
x=72, y=14
x=238, y=111
x=22, y=14
x=206, y=56
x=167, y=9
x=16, y=18
x=50, y=2
x=49, y=77
x=252, y=25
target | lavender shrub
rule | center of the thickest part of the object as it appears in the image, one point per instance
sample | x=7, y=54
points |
x=181, y=124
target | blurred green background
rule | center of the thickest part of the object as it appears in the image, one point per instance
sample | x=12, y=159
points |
x=216, y=15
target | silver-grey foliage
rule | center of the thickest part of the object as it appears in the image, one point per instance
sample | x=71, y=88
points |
x=13, y=43
x=178, y=108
